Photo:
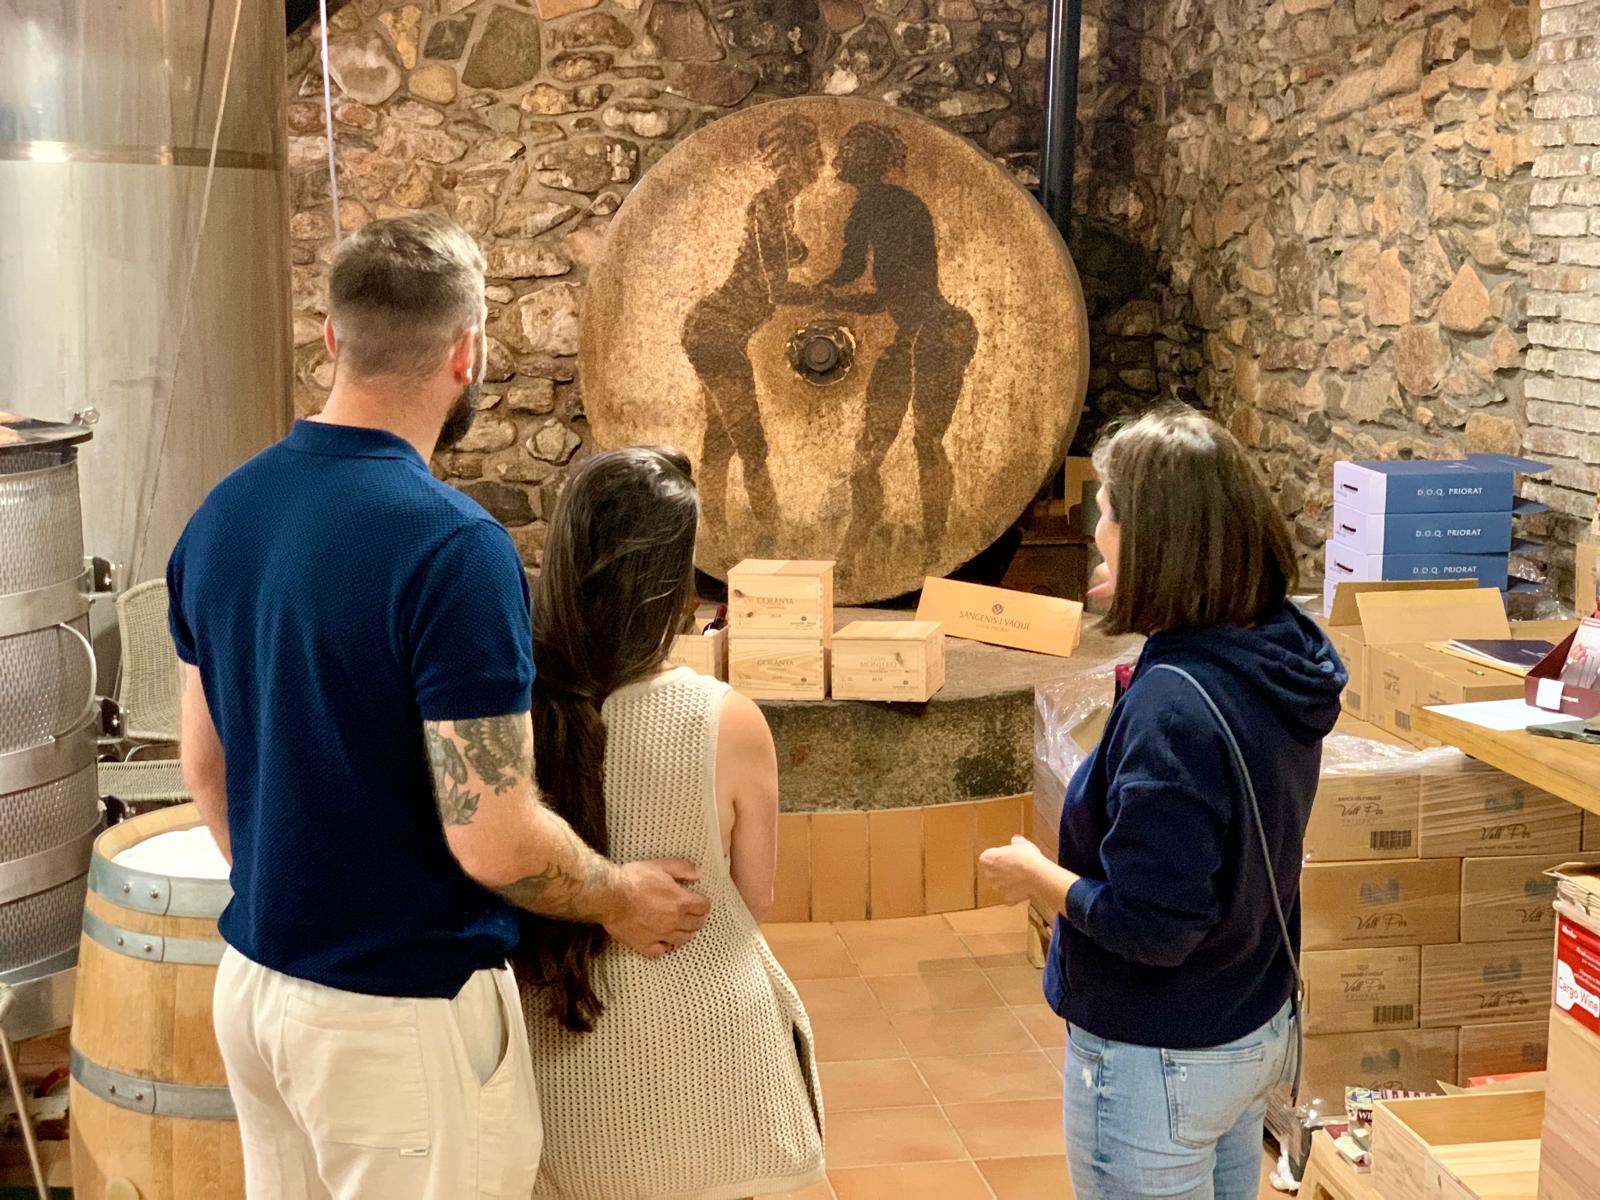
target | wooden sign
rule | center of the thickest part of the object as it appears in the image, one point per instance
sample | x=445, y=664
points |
x=1021, y=620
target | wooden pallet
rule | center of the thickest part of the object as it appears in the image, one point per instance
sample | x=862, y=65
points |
x=1328, y=1176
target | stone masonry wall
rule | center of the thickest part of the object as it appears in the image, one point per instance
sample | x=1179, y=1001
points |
x=1321, y=219
x=529, y=125
x=1346, y=225
x=1563, y=385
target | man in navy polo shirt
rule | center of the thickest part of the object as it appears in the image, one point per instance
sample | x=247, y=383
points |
x=357, y=673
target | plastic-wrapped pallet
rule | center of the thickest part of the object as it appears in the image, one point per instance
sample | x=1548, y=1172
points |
x=1069, y=715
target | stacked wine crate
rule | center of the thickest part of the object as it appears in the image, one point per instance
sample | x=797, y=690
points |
x=704, y=650
x=888, y=660
x=780, y=628
x=1426, y=920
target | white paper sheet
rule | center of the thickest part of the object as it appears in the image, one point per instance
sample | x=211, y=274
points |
x=1502, y=715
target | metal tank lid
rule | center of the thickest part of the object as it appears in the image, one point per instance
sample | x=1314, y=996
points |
x=29, y=435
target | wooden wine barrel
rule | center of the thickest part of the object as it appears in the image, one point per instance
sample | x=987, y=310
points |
x=150, y=1104
x=868, y=338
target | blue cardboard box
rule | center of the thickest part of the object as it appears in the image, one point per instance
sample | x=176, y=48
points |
x=1345, y=564
x=1479, y=483
x=1422, y=533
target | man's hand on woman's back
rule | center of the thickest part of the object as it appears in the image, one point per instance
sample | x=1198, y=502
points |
x=508, y=840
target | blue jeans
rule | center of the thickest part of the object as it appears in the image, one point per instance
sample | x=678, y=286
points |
x=1143, y=1122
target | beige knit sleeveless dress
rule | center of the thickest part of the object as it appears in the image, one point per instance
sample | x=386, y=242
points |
x=699, y=1078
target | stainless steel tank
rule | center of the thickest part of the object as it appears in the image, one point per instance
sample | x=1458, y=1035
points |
x=132, y=279
x=49, y=719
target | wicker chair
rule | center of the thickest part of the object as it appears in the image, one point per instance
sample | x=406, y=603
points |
x=131, y=788
x=147, y=690
x=147, y=694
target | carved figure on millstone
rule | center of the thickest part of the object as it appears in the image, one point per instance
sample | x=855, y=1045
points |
x=717, y=332
x=924, y=368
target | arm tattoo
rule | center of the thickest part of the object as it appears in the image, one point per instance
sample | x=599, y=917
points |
x=573, y=885
x=497, y=749
x=492, y=756
x=458, y=803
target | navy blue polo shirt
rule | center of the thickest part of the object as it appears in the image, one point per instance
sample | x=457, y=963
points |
x=334, y=596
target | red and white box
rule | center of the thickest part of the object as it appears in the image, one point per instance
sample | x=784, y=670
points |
x=1577, y=974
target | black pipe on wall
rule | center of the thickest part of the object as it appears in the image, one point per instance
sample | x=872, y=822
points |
x=1060, y=113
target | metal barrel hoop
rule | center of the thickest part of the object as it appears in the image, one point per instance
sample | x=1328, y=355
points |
x=158, y=895
x=155, y=1097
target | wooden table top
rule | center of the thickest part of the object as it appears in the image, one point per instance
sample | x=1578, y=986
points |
x=1570, y=770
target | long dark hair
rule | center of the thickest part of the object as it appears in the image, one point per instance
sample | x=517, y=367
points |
x=617, y=578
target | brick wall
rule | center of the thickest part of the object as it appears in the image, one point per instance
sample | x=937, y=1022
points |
x=1563, y=363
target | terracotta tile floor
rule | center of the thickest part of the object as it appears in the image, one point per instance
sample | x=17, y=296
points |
x=941, y=1065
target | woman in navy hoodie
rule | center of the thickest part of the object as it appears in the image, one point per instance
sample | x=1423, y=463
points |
x=1178, y=906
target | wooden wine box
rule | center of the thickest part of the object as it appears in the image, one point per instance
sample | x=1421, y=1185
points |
x=888, y=660
x=704, y=652
x=1426, y=1148
x=766, y=668
x=781, y=598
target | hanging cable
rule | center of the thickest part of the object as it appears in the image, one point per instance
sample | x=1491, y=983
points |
x=327, y=118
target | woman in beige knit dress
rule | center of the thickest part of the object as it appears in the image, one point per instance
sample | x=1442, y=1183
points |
x=691, y=1075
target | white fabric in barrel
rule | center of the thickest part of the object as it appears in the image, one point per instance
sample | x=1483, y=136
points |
x=184, y=853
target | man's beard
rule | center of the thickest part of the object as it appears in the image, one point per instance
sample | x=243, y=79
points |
x=462, y=413
x=460, y=417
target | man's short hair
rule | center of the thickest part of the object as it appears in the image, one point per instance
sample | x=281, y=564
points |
x=400, y=291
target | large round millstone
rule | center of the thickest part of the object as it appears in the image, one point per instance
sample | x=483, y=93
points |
x=871, y=341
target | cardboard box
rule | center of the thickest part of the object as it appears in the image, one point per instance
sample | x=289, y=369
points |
x=1543, y=631
x=1391, y=685
x=1361, y=815
x=1570, y=1163
x=1355, y=727
x=1364, y=615
x=1569, y=1151
x=1351, y=991
x=1342, y=564
x=1020, y=620
x=1472, y=811
x=704, y=652
x=1456, y=681
x=1422, y=533
x=888, y=660
x=1407, y=677
x=1496, y=1130
x=1577, y=944
x=1479, y=983
x=1412, y=1059
x=1505, y=1049
x=1591, y=831
x=778, y=668
x=1478, y=483
x=781, y=598
x=1508, y=898
x=1407, y=902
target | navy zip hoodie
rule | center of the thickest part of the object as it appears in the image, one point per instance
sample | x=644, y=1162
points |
x=1169, y=937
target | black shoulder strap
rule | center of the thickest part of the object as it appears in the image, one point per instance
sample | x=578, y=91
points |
x=1261, y=831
